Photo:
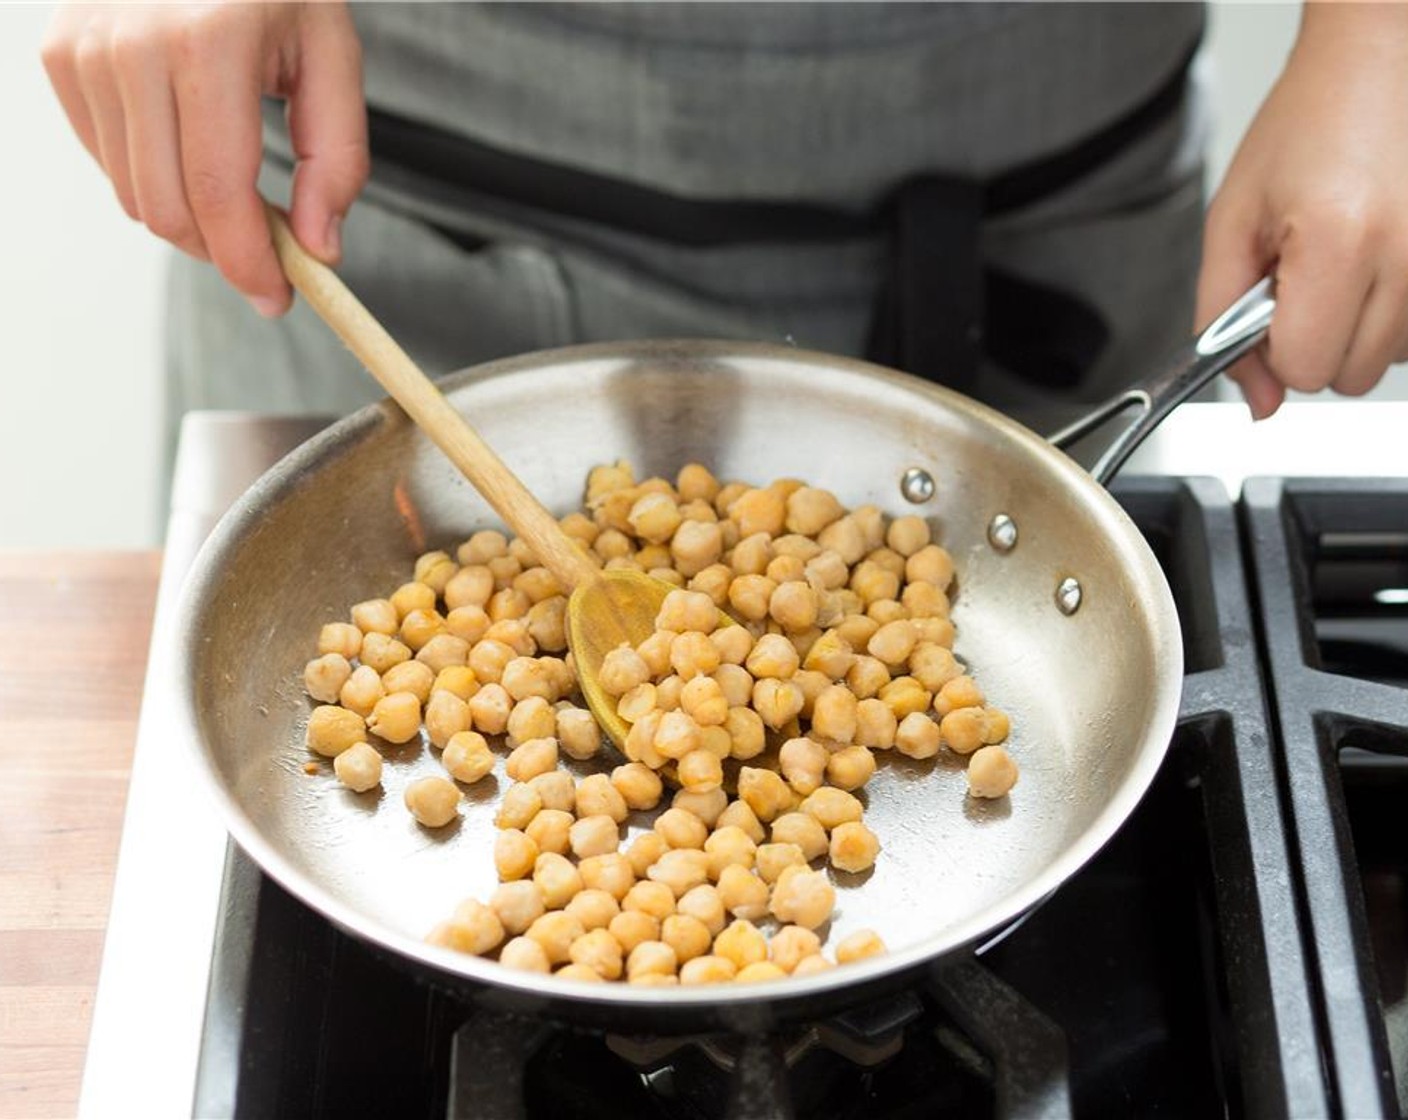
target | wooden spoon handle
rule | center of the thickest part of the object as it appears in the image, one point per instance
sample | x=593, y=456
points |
x=426, y=405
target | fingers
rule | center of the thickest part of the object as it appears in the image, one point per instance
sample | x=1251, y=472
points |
x=1380, y=337
x=217, y=87
x=328, y=129
x=154, y=145
x=57, y=55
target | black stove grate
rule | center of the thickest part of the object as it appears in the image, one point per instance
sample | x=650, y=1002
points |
x=1329, y=560
x=1168, y=977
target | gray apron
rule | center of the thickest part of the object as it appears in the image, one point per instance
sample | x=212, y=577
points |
x=610, y=171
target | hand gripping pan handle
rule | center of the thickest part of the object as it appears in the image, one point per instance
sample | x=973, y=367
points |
x=1230, y=336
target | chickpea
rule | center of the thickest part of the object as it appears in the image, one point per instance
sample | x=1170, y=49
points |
x=918, y=736
x=655, y=899
x=733, y=644
x=802, y=830
x=531, y=758
x=506, y=569
x=526, y=676
x=703, y=699
x=681, y=829
x=797, y=545
x=599, y=951
x=805, y=898
x=409, y=676
x=358, y=767
x=593, y=908
x=631, y=927
x=687, y=936
x=707, y=806
x=555, y=931
x=807, y=966
x=445, y=717
x=332, y=730
x=961, y=692
x=759, y=511
x=777, y=702
x=704, y=905
x=876, y=725
x=746, y=732
x=651, y=958
x=639, y=786
x=991, y=773
x=598, y=796
x=607, y=479
x=557, y=878
x=893, y=642
x=735, y=683
x=835, y=715
x=524, y=954
x=509, y=605
x=578, y=733
x=786, y=569
x=845, y=538
x=654, y=517
x=611, y=873
x=668, y=692
x=434, y=802
x=850, y=768
x=759, y=972
x=361, y=691
x=341, y=638
x=612, y=544
x=750, y=596
x=996, y=726
x=677, y=735
x=803, y=764
x=742, y=943
x=905, y=696
x=375, y=616
x=700, y=771
x=556, y=790
x=546, y=622
x=532, y=718
x=743, y=894
x=871, y=522
x=696, y=483
x=538, y=584
x=489, y=709
x=514, y=854
x=582, y=972
x=471, y=586
x=831, y=655
x=692, y=654
x=859, y=945
x=477, y=928
x=765, y=792
x=696, y=546
x=793, y=605
x=772, y=860
x=853, y=847
x=708, y=969
x=867, y=677
x=468, y=623
x=832, y=807
x=810, y=510
x=680, y=869
x=931, y=564
x=644, y=850
x=324, y=676
x=729, y=493
x=790, y=945
x=519, y=806
x=886, y=611
x=458, y=680
x=382, y=653
x=396, y=717
x=932, y=665
x=872, y=581
x=518, y=904
x=594, y=836
x=488, y=659
x=418, y=627
x=523, y=552
x=751, y=555
x=924, y=600
x=739, y=814
x=713, y=581
x=467, y=757
x=655, y=653
x=854, y=627
x=482, y=547
x=551, y=830
x=580, y=527
x=640, y=741
x=563, y=677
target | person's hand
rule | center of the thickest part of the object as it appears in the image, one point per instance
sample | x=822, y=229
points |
x=167, y=100
x=1318, y=192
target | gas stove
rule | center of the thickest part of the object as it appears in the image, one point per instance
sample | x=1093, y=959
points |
x=1241, y=946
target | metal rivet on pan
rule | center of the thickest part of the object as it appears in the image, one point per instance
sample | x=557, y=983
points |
x=1002, y=533
x=1068, y=595
x=917, y=485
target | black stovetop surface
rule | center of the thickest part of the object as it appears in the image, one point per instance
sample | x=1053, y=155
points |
x=1238, y=948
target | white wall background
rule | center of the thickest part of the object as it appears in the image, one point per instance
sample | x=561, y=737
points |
x=80, y=297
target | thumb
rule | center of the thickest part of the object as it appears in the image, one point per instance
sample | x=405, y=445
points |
x=1234, y=258
x=328, y=128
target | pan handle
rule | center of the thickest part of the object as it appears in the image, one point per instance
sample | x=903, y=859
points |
x=1230, y=336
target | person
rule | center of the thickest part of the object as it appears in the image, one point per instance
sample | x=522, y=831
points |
x=1004, y=197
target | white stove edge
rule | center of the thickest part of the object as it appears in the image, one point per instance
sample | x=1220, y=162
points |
x=148, y=1014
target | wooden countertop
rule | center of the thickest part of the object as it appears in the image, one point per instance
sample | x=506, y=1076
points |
x=74, y=629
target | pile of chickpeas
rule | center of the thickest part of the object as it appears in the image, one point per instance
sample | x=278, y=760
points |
x=801, y=637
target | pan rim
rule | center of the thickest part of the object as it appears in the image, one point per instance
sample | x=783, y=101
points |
x=290, y=471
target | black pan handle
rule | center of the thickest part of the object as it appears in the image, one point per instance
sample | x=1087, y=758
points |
x=1230, y=335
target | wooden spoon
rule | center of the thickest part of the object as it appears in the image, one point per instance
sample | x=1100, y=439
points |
x=604, y=608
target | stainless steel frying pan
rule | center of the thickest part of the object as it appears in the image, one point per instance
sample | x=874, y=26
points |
x=1062, y=613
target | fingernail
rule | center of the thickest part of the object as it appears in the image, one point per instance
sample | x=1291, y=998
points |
x=267, y=306
x=333, y=240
